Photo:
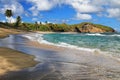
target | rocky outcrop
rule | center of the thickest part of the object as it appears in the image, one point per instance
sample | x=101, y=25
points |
x=92, y=28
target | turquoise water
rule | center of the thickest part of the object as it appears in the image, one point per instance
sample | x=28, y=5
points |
x=108, y=42
x=62, y=65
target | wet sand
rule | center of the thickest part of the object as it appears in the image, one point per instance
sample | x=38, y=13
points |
x=62, y=63
x=45, y=46
x=79, y=65
x=12, y=60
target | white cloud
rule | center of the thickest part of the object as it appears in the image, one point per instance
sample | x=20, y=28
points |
x=42, y=5
x=84, y=8
x=14, y=5
x=80, y=16
x=99, y=7
x=34, y=19
x=11, y=20
x=114, y=13
x=115, y=3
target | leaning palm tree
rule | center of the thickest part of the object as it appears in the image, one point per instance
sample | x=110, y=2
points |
x=8, y=13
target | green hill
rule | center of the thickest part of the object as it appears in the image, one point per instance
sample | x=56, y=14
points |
x=84, y=27
x=93, y=28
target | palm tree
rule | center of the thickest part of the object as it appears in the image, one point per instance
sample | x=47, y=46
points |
x=18, y=21
x=36, y=25
x=8, y=13
x=46, y=22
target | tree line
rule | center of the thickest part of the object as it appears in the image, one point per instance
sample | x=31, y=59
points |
x=35, y=26
x=49, y=26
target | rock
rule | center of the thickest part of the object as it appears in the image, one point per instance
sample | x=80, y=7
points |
x=92, y=28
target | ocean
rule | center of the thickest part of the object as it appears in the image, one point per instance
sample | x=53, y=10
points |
x=68, y=64
x=107, y=43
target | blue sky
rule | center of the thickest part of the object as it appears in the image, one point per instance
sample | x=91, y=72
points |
x=106, y=12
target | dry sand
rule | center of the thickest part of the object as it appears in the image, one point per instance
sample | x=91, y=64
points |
x=12, y=60
x=6, y=66
x=6, y=32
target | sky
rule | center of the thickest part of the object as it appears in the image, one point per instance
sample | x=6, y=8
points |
x=106, y=12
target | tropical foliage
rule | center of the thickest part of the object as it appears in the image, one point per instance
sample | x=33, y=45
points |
x=8, y=13
x=52, y=27
x=18, y=21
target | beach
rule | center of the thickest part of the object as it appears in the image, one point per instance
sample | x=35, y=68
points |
x=12, y=60
x=4, y=32
x=60, y=40
x=81, y=64
x=62, y=63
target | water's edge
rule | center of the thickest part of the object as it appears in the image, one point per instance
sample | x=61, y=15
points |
x=65, y=65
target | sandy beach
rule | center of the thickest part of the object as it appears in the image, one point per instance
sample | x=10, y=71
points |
x=6, y=66
x=45, y=46
x=60, y=63
x=4, y=32
x=59, y=39
x=12, y=60
x=90, y=65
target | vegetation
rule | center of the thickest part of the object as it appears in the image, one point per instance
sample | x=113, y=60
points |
x=18, y=22
x=83, y=27
x=104, y=27
x=54, y=27
x=8, y=13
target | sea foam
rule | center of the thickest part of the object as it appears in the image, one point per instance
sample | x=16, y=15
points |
x=39, y=38
x=98, y=34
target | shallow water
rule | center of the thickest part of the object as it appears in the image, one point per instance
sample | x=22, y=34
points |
x=65, y=65
x=107, y=42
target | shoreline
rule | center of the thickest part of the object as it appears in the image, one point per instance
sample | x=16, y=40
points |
x=45, y=46
x=48, y=32
x=19, y=60
x=58, y=48
x=98, y=65
x=13, y=60
x=101, y=65
x=61, y=48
